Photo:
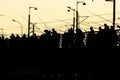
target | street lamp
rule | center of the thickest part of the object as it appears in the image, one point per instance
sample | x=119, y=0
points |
x=29, y=20
x=69, y=8
x=114, y=11
x=20, y=25
x=77, y=11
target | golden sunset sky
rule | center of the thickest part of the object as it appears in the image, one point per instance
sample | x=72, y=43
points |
x=54, y=14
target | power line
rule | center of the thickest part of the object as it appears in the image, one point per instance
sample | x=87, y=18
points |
x=103, y=14
x=42, y=21
x=101, y=17
x=57, y=21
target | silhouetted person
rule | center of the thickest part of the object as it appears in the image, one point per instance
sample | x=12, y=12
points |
x=3, y=42
x=46, y=39
x=12, y=41
x=99, y=38
x=68, y=39
x=24, y=42
x=91, y=37
x=55, y=39
x=114, y=37
x=106, y=37
x=18, y=41
x=79, y=37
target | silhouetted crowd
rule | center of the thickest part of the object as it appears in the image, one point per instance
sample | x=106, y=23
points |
x=104, y=38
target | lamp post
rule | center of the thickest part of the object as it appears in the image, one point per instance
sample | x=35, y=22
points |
x=29, y=20
x=114, y=12
x=77, y=11
x=20, y=25
x=69, y=8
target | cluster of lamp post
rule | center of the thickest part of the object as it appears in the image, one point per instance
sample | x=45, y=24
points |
x=75, y=11
x=28, y=22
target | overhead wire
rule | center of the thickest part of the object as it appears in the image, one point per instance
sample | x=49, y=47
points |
x=101, y=17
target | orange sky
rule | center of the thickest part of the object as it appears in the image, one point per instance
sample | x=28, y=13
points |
x=53, y=11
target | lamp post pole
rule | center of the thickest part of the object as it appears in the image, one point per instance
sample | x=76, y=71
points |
x=20, y=25
x=29, y=23
x=114, y=12
x=69, y=8
x=29, y=20
x=77, y=15
x=77, y=20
